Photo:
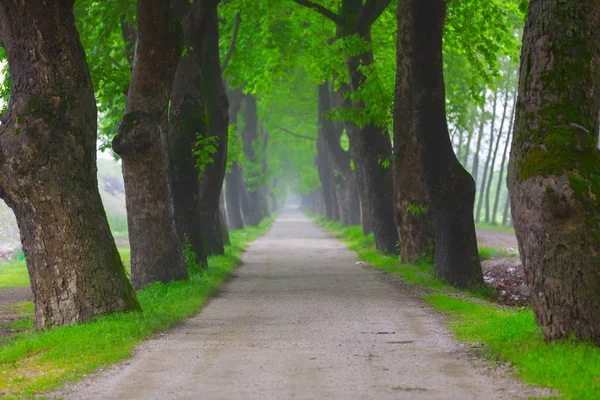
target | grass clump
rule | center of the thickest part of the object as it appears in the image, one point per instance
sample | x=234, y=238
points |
x=495, y=227
x=35, y=361
x=506, y=334
x=13, y=273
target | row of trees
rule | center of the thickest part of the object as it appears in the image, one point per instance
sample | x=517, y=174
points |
x=347, y=102
x=553, y=170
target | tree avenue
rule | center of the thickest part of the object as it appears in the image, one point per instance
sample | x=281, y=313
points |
x=400, y=118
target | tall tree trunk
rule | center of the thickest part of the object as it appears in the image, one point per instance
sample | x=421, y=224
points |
x=500, y=184
x=371, y=147
x=467, y=151
x=254, y=164
x=493, y=162
x=156, y=251
x=216, y=114
x=412, y=209
x=487, y=161
x=475, y=167
x=186, y=121
x=223, y=213
x=234, y=176
x=323, y=158
x=48, y=168
x=506, y=215
x=451, y=188
x=553, y=169
x=345, y=180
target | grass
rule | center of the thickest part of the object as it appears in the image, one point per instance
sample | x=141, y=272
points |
x=13, y=273
x=505, y=334
x=39, y=361
x=495, y=227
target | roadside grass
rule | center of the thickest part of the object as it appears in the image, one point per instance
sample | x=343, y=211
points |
x=495, y=227
x=38, y=361
x=504, y=334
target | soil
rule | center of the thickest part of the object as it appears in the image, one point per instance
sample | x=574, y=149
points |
x=303, y=319
x=506, y=276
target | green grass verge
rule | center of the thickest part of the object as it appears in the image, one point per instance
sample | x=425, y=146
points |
x=495, y=227
x=506, y=334
x=35, y=362
x=13, y=273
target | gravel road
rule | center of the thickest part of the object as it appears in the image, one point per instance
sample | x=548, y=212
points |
x=302, y=320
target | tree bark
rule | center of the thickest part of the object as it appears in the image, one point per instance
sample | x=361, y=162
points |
x=487, y=161
x=553, y=170
x=412, y=208
x=216, y=113
x=156, y=251
x=234, y=176
x=48, y=168
x=185, y=122
x=493, y=162
x=503, y=163
x=451, y=188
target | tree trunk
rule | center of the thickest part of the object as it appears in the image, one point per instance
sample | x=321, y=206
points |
x=467, y=151
x=493, y=163
x=506, y=215
x=371, y=147
x=156, y=251
x=234, y=177
x=185, y=122
x=48, y=168
x=323, y=158
x=451, y=188
x=216, y=114
x=345, y=181
x=500, y=184
x=223, y=220
x=487, y=161
x=254, y=164
x=553, y=169
x=475, y=167
x=412, y=208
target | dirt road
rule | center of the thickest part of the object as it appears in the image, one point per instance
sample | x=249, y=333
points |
x=303, y=320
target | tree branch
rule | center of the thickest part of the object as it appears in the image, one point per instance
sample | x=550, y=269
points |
x=232, y=43
x=324, y=11
x=294, y=134
x=370, y=12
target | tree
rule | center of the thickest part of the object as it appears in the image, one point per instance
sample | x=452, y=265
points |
x=234, y=177
x=554, y=166
x=501, y=182
x=371, y=144
x=139, y=142
x=412, y=205
x=451, y=188
x=48, y=168
x=486, y=167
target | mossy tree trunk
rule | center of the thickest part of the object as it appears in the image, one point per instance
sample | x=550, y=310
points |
x=412, y=209
x=48, y=168
x=554, y=168
x=156, y=251
x=451, y=188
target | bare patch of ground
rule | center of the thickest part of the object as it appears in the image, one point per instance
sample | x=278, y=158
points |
x=11, y=309
x=506, y=276
x=496, y=239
